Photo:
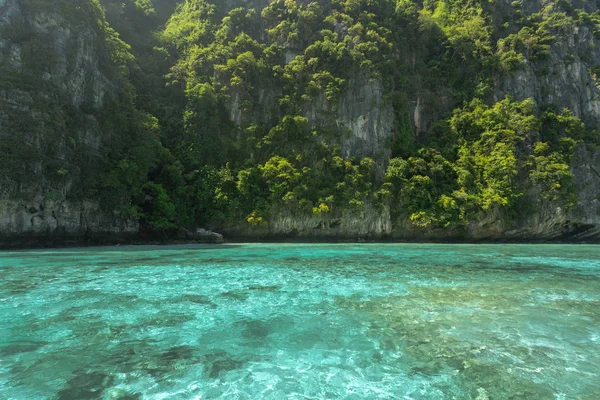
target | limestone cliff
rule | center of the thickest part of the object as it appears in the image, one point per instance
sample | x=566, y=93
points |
x=68, y=109
x=57, y=83
x=565, y=78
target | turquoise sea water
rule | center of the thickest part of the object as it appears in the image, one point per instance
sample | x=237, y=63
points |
x=301, y=322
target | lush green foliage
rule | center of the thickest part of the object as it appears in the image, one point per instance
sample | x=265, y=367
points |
x=230, y=114
x=481, y=160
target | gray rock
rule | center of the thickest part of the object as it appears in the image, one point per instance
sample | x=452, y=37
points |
x=74, y=79
x=206, y=236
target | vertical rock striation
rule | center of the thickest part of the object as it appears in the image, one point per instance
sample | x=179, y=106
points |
x=57, y=80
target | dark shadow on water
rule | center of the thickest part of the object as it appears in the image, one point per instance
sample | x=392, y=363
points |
x=11, y=349
x=508, y=266
x=176, y=249
x=273, y=288
x=171, y=362
x=85, y=386
x=255, y=329
x=177, y=353
x=125, y=395
x=219, y=363
x=166, y=319
x=238, y=294
x=144, y=357
x=116, y=299
x=18, y=286
x=195, y=299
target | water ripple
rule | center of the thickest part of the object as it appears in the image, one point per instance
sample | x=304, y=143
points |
x=301, y=321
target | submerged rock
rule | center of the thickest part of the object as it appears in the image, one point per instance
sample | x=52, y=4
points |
x=220, y=363
x=86, y=386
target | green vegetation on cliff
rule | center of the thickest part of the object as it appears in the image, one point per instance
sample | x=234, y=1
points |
x=42, y=144
x=232, y=112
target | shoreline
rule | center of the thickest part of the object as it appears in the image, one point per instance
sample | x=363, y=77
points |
x=55, y=243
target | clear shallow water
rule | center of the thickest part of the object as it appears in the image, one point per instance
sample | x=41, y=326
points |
x=301, y=322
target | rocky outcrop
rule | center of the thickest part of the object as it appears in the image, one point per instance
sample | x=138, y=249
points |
x=545, y=221
x=370, y=223
x=361, y=114
x=201, y=235
x=584, y=221
x=57, y=79
x=567, y=81
x=564, y=78
x=44, y=222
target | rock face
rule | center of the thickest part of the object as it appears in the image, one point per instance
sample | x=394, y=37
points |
x=368, y=120
x=369, y=223
x=546, y=221
x=584, y=221
x=363, y=114
x=200, y=236
x=59, y=222
x=56, y=82
x=568, y=81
